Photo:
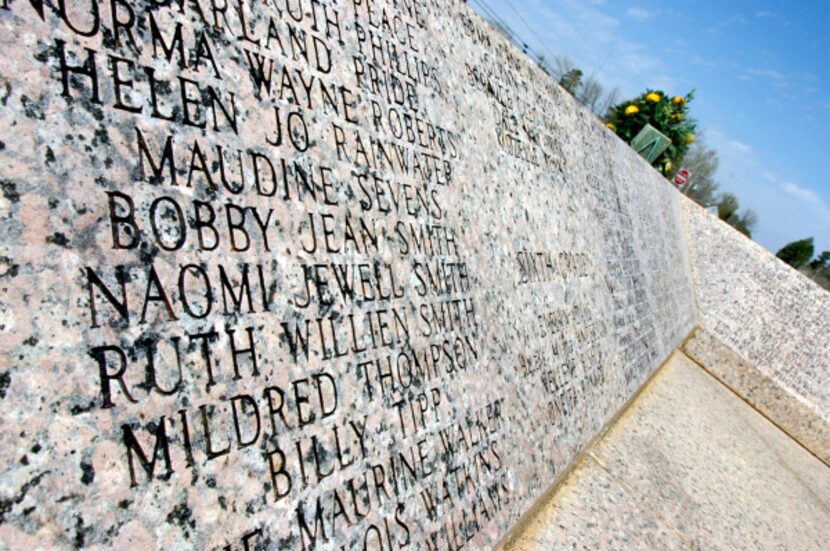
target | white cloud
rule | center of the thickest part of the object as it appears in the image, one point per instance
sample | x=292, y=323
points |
x=786, y=210
x=803, y=81
x=764, y=73
x=594, y=41
x=805, y=76
x=597, y=45
x=736, y=150
x=764, y=13
x=698, y=59
x=741, y=147
x=805, y=195
x=641, y=14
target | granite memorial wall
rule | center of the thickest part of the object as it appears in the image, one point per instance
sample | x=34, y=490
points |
x=763, y=329
x=305, y=274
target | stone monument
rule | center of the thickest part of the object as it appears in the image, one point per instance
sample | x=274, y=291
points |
x=299, y=274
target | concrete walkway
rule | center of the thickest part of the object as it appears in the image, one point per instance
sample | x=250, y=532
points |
x=689, y=466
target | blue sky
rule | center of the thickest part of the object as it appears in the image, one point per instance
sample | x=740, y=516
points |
x=761, y=71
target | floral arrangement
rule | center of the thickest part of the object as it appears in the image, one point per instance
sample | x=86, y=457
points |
x=668, y=115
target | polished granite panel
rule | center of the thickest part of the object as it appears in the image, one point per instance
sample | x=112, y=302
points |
x=308, y=274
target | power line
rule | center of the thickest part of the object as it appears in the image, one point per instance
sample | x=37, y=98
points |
x=539, y=38
x=513, y=36
x=494, y=17
x=602, y=65
x=517, y=40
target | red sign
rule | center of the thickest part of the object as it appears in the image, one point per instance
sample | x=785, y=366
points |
x=682, y=177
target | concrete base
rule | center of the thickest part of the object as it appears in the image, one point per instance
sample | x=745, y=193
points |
x=690, y=465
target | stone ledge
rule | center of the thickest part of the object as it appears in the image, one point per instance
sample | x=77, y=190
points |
x=784, y=408
x=688, y=466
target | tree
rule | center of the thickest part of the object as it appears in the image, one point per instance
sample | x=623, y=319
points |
x=593, y=96
x=589, y=93
x=604, y=106
x=561, y=66
x=571, y=81
x=702, y=162
x=728, y=205
x=819, y=270
x=821, y=262
x=744, y=222
x=543, y=63
x=798, y=253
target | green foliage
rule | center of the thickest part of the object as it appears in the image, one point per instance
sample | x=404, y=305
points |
x=668, y=115
x=798, y=253
x=819, y=270
x=571, y=81
x=727, y=206
x=821, y=262
x=744, y=222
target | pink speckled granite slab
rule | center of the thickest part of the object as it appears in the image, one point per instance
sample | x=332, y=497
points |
x=300, y=274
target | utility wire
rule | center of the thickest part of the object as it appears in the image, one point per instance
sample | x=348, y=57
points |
x=494, y=17
x=602, y=65
x=539, y=38
x=594, y=70
x=514, y=37
x=511, y=35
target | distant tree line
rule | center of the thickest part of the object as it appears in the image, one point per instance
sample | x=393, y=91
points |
x=799, y=255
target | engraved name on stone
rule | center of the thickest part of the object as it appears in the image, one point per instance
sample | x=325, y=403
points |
x=298, y=274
